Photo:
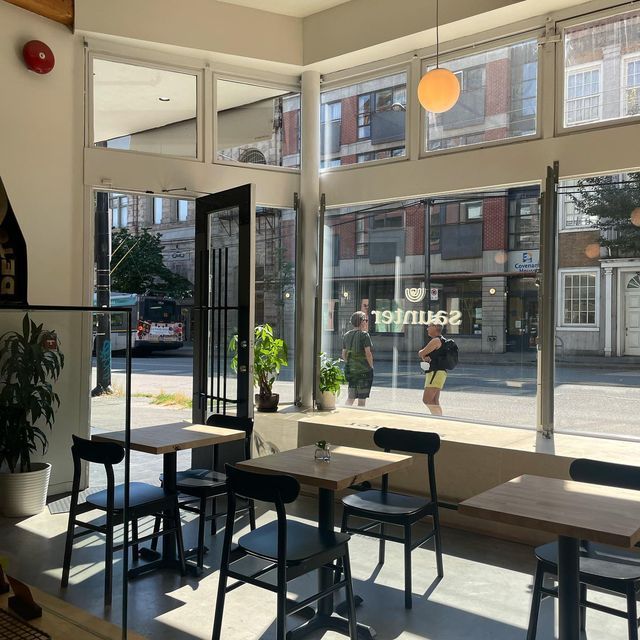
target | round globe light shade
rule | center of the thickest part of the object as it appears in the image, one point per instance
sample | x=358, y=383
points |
x=439, y=90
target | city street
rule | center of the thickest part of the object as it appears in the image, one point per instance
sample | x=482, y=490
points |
x=589, y=398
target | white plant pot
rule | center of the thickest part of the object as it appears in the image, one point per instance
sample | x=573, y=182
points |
x=327, y=401
x=24, y=494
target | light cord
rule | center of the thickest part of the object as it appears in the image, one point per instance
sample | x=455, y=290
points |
x=437, y=35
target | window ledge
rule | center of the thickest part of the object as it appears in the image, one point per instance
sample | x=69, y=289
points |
x=473, y=457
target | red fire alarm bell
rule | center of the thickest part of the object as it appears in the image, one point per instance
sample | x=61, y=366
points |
x=38, y=56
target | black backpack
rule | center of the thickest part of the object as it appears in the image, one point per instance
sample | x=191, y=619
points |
x=449, y=357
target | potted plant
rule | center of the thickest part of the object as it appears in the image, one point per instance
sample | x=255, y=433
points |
x=269, y=355
x=30, y=362
x=331, y=377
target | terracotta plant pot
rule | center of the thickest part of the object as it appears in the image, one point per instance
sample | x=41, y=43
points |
x=327, y=401
x=24, y=494
x=267, y=403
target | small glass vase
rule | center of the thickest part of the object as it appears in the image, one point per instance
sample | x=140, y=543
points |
x=322, y=455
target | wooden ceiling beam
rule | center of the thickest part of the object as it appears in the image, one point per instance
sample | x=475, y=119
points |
x=57, y=10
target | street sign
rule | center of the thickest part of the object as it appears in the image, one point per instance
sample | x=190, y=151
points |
x=434, y=293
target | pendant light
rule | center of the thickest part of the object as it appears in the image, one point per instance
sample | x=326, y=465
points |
x=439, y=89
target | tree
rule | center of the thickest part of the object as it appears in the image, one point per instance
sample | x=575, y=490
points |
x=614, y=209
x=137, y=266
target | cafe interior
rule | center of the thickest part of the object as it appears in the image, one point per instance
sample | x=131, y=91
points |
x=460, y=172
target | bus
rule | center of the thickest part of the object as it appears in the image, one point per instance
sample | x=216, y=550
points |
x=156, y=320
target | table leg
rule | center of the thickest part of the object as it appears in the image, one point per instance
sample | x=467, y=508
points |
x=325, y=618
x=168, y=557
x=569, y=587
x=169, y=481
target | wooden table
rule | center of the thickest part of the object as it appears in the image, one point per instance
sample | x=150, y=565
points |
x=347, y=466
x=167, y=440
x=63, y=621
x=572, y=511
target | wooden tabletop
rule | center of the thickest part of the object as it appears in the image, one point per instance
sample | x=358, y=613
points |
x=575, y=509
x=346, y=467
x=167, y=438
x=62, y=620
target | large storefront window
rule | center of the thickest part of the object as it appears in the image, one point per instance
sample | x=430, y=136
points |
x=275, y=283
x=147, y=109
x=402, y=264
x=598, y=321
x=363, y=122
x=602, y=70
x=257, y=125
x=498, y=99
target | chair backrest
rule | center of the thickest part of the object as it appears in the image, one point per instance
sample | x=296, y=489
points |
x=409, y=441
x=104, y=453
x=107, y=453
x=406, y=440
x=277, y=489
x=606, y=473
x=261, y=486
x=231, y=452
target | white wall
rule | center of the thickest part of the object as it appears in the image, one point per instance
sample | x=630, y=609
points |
x=206, y=25
x=41, y=135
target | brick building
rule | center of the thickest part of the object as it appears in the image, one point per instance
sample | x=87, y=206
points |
x=481, y=260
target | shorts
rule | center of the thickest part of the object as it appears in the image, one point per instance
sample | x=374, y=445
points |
x=360, y=386
x=435, y=379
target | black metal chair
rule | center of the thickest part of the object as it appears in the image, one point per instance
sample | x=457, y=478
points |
x=144, y=500
x=291, y=548
x=382, y=507
x=601, y=566
x=197, y=487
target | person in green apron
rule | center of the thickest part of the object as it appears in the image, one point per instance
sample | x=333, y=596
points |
x=357, y=353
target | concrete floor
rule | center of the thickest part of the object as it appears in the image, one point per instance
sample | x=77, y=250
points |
x=485, y=594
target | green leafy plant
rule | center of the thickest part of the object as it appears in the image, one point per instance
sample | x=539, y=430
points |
x=269, y=355
x=608, y=204
x=137, y=266
x=331, y=375
x=30, y=362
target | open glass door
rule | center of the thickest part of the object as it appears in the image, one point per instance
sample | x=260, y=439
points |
x=224, y=299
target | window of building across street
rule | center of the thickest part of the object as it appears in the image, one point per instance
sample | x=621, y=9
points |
x=183, y=210
x=157, y=210
x=631, y=90
x=524, y=221
x=119, y=206
x=584, y=95
x=602, y=70
x=579, y=298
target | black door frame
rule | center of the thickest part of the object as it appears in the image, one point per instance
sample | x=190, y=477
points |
x=210, y=298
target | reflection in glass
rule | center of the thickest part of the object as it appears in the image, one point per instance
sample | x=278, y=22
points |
x=471, y=276
x=498, y=99
x=602, y=70
x=258, y=125
x=139, y=108
x=363, y=122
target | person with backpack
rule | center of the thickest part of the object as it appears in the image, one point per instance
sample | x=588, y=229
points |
x=442, y=355
x=358, y=359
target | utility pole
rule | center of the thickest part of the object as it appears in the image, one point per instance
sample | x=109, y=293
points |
x=103, y=294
